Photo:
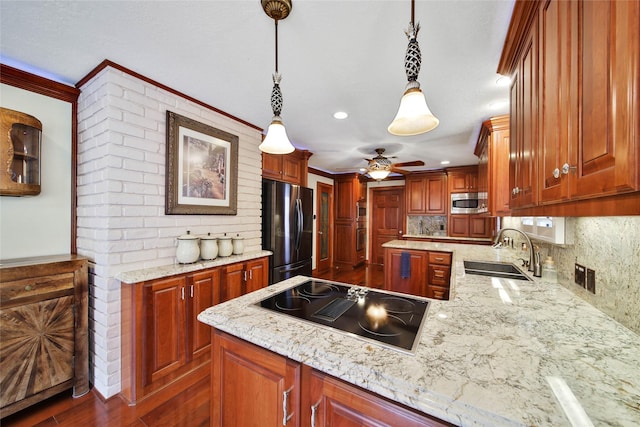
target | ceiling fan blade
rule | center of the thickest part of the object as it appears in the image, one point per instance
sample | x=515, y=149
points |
x=406, y=164
x=400, y=171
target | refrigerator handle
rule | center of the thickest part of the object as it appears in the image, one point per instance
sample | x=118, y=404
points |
x=299, y=225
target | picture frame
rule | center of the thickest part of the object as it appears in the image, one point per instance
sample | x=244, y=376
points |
x=201, y=168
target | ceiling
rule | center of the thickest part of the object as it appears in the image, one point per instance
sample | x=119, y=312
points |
x=334, y=56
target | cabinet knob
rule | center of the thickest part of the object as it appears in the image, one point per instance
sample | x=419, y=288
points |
x=556, y=173
x=515, y=191
x=28, y=288
x=566, y=168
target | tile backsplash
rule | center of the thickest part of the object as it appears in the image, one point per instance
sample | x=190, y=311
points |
x=608, y=245
x=427, y=225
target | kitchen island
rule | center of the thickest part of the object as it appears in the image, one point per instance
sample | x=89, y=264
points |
x=498, y=353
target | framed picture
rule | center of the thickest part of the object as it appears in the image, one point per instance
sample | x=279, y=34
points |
x=202, y=169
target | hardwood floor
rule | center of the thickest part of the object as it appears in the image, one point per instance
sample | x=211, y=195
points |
x=187, y=409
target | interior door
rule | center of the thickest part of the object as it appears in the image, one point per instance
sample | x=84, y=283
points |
x=387, y=219
x=323, y=232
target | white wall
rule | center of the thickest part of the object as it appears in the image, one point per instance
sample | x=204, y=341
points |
x=40, y=225
x=121, y=189
x=312, y=182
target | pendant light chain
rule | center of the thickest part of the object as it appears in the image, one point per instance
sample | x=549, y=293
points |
x=276, y=23
x=276, y=93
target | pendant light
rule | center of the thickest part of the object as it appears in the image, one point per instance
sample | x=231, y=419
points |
x=414, y=116
x=276, y=141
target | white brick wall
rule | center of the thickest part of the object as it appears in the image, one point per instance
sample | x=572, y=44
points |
x=121, y=177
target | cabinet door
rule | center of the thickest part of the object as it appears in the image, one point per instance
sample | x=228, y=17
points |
x=252, y=386
x=232, y=282
x=257, y=273
x=331, y=402
x=345, y=200
x=459, y=225
x=416, y=196
x=526, y=118
x=204, y=288
x=272, y=166
x=291, y=169
x=608, y=158
x=458, y=182
x=416, y=282
x=37, y=348
x=164, y=325
x=479, y=226
x=436, y=202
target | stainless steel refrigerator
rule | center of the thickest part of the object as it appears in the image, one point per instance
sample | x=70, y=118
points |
x=287, y=228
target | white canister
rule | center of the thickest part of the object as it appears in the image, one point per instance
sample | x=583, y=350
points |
x=225, y=246
x=208, y=247
x=188, y=250
x=238, y=245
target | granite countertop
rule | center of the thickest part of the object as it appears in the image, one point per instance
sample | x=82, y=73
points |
x=137, y=276
x=444, y=237
x=497, y=354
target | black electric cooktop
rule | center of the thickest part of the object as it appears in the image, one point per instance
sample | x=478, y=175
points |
x=391, y=319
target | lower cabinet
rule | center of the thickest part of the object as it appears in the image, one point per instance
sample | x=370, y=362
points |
x=428, y=273
x=162, y=340
x=253, y=386
x=44, y=328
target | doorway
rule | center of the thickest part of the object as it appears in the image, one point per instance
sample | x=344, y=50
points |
x=387, y=219
x=324, y=232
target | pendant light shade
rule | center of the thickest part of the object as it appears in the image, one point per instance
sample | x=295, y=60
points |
x=414, y=116
x=276, y=141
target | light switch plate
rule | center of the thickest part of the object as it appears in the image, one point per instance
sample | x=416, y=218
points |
x=579, y=276
x=591, y=281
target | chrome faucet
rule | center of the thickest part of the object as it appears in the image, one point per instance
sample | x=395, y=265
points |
x=496, y=244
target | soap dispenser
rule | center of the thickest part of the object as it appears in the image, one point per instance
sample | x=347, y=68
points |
x=549, y=272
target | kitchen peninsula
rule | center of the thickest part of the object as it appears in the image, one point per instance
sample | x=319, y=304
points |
x=496, y=354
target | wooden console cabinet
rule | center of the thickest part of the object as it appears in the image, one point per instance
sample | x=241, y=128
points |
x=44, y=323
x=253, y=386
x=163, y=342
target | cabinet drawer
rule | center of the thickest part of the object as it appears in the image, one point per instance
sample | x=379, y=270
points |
x=441, y=258
x=436, y=292
x=439, y=275
x=36, y=288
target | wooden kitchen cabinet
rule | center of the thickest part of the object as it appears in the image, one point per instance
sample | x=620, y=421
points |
x=348, y=197
x=492, y=150
x=290, y=167
x=574, y=107
x=476, y=226
x=426, y=194
x=163, y=343
x=463, y=179
x=44, y=324
x=252, y=386
x=429, y=276
x=162, y=339
x=328, y=401
x=416, y=282
x=241, y=278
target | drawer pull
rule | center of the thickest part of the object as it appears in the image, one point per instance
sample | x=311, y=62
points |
x=28, y=288
x=285, y=400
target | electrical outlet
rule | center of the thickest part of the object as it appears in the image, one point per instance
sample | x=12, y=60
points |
x=591, y=281
x=579, y=275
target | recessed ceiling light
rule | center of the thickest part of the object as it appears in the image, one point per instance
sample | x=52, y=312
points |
x=503, y=81
x=340, y=115
x=445, y=162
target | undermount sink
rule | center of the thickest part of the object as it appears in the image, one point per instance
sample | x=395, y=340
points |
x=495, y=269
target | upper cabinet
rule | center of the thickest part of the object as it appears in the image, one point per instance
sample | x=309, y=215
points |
x=463, y=179
x=574, y=107
x=426, y=194
x=492, y=150
x=290, y=168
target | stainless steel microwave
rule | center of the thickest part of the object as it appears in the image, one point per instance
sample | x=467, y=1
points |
x=465, y=203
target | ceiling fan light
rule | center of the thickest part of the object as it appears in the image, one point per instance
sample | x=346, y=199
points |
x=276, y=141
x=379, y=174
x=414, y=116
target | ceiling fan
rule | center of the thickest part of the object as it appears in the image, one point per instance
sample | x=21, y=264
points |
x=380, y=166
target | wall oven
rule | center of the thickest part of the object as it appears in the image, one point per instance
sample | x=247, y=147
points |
x=465, y=203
